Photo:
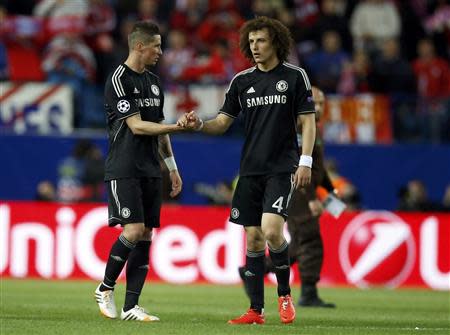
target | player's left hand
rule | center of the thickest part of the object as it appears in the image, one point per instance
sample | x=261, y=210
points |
x=302, y=176
x=176, y=183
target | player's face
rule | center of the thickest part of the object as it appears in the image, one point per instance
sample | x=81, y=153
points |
x=261, y=47
x=152, y=51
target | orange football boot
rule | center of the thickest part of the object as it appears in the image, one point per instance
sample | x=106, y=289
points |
x=249, y=317
x=286, y=309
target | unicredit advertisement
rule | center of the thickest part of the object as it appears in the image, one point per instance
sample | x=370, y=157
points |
x=198, y=244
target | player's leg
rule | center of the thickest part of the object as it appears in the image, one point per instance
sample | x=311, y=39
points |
x=122, y=200
x=276, y=199
x=139, y=259
x=246, y=211
x=136, y=270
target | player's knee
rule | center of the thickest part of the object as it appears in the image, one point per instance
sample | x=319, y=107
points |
x=133, y=232
x=273, y=237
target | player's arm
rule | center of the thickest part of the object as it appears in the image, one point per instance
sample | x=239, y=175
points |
x=216, y=126
x=141, y=127
x=166, y=152
x=307, y=124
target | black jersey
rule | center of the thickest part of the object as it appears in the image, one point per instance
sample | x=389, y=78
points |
x=270, y=102
x=127, y=93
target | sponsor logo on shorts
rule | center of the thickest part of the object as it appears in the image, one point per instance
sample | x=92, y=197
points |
x=234, y=213
x=126, y=212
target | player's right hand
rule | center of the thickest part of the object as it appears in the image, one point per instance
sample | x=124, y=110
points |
x=302, y=176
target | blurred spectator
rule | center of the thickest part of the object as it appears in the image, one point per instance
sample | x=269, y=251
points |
x=148, y=10
x=68, y=60
x=287, y=17
x=188, y=15
x=373, y=22
x=332, y=18
x=61, y=8
x=433, y=87
x=437, y=24
x=325, y=65
x=432, y=72
x=392, y=73
x=120, y=53
x=81, y=174
x=412, y=28
x=413, y=197
x=356, y=75
x=20, y=36
x=216, y=65
x=222, y=21
x=100, y=22
x=177, y=57
x=45, y=191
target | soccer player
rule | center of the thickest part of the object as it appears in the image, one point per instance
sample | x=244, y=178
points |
x=306, y=247
x=275, y=98
x=134, y=105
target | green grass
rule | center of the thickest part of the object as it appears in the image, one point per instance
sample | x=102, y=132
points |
x=68, y=307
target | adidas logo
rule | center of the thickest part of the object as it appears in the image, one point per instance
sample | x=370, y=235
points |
x=117, y=258
x=136, y=91
x=249, y=274
x=251, y=90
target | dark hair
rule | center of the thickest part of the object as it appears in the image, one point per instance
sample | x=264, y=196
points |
x=280, y=35
x=143, y=31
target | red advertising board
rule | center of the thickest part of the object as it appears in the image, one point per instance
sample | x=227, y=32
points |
x=58, y=241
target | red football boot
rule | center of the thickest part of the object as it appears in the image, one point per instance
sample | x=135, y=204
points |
x=249, y=317
x=286, y=309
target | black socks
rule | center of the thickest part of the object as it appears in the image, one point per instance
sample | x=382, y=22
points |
x=137, y=268
x=116, y=261
x=282, y=269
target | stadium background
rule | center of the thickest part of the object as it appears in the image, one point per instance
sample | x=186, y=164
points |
x=386, y=128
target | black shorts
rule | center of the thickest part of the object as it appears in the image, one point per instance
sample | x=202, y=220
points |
x=134, y=200
x=255, y=195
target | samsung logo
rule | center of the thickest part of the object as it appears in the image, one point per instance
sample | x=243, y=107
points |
x=266, y=100
x=147, y=102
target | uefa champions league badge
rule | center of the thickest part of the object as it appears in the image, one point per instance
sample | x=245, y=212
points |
x=123, y=106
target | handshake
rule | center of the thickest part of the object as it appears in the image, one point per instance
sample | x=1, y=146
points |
x=190, y=121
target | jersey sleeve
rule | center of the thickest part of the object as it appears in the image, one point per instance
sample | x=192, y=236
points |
x=119, y=95
x=305, y=103
x=231, y=106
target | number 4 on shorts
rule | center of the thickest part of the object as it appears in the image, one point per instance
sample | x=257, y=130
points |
x=278, y=204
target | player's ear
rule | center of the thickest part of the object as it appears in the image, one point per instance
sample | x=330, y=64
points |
x=139, y=46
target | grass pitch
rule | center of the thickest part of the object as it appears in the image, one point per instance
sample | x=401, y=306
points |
x=68, y=307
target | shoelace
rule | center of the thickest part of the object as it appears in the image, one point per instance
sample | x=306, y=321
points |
x=141, y=310
x=107, y=298
x=284, y=304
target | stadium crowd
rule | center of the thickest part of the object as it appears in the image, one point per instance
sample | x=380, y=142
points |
x=397, y=48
